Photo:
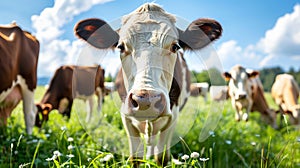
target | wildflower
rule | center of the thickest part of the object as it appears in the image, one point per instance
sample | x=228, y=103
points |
x=185, y=157
x=57, y=153
x=70, y=139
x=204, y=159
x=89, y=159
x=63, y=128
x=176, y=162
x=108, y=157
x=228, y=142
x=70, y=147
x=49, y=159
x=195, y=155
x=70, y=155
x=253, y=143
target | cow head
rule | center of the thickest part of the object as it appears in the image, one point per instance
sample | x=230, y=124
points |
x=149, y=43
x=42, y=113
x=239, y=85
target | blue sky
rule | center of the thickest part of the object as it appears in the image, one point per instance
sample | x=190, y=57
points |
x=256, y=33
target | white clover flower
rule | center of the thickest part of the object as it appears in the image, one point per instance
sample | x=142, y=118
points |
x=70, y=155
x=63, y=128
x=56, y=153
x=195, y=155
x=70, y=139
x=253, y=143
x=185, y=157
x=176, y=162
x=204, y=159
x=108, y=157
x=70, y=147
x=89, y=159
x=49, y=159
x=228, y=142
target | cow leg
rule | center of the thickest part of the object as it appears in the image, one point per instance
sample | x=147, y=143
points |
x=89, y=108
x=100, y=98
x=246, y=114
x=69, y=109
x=29, y=109
x=238, y=111
x=136, y=145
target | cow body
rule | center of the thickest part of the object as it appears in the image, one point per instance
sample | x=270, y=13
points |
x=218, y=93
x=246, y=92
x=153, y=82
x=199, y=89
x=18, y=73
x=285, y=92
x=70, y=82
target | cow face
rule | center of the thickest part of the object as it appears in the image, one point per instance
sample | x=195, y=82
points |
x=239, y=84
x=42, y=114
x=149, y=44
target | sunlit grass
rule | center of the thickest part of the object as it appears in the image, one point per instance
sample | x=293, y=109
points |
x=103, y=143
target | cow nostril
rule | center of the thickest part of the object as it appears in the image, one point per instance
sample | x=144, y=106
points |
x=133, y=102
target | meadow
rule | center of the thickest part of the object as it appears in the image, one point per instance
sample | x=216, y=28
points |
x=207, y=128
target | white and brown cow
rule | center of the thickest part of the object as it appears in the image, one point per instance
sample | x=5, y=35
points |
x=246, y=92
x=199, y=89
x=70, y=82
x=218, y=93
x=19, y=53
x=153, y=70
x=285, y=92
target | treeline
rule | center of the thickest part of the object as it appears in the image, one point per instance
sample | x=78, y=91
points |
x=267, y=75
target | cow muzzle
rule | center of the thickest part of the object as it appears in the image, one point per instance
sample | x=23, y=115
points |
x=146, y=104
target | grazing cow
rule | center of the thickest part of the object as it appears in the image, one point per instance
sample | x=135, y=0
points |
x=154, y=73
x=199, y=89
x=70, y=82
x=109, y=88
x=19, y=54
x=246, y=92
x=285, y=92
x=218, y=93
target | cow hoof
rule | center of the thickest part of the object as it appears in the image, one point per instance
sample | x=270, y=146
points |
x=245, y=117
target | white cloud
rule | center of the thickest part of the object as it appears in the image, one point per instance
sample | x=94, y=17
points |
x=279, y=46
x=49, y=24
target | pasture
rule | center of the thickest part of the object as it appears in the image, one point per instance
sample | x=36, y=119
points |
x=207, y=128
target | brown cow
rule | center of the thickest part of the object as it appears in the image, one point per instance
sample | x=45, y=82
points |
x=285, y=92
x=246, y=92
x=18, y=73
x=70, y=82
x=199, y=89
x=153, y=69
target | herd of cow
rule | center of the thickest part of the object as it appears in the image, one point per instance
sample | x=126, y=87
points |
x=153, y=82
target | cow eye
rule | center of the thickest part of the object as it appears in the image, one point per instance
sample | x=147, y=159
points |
x=175, y=47
x=121, y=47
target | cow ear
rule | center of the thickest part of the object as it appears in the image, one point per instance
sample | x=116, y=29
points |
x=39, y=107
x=47, y=107
x=97, y=33
x=253, y=74
x=226, y=76
x=200, y=33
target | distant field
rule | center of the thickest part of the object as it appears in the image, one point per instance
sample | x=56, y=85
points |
x=207, y=128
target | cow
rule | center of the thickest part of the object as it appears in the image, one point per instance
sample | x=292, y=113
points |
x=199, y=89
x=218, y=93
x=285, y=92
x=154, y=73
x=246, y=92
x=18, y=73
x=70, y=82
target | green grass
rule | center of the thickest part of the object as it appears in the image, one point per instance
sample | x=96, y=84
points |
x=207, y=128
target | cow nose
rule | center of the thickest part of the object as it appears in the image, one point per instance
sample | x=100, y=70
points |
x=242, y=96
x=145, y=99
